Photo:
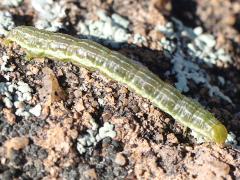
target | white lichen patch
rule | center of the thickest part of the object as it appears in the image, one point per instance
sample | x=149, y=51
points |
x=232, y=140
x=198, y=137
x=203, y=48
x=186, y=64
x=188, y=70
x=15, y=95
x=112, y=30
x=36, y=110
x=139, y=39
x=11, y=3
x=185, y=71
x=8, y=103
x=215, y=91
x=4, y=64
x=120, y=20
x=93, y=137
x=51, y=14
x=86, y=141
x=106, y=131
x=6, y=22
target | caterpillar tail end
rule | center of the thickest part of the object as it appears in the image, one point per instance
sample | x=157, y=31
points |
x=219, y=133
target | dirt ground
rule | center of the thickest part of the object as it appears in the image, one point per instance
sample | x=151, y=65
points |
x=71, y=123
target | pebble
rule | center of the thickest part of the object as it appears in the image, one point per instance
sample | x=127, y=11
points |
x=198, y=30
x=106, y=131
x=213, y=56
x=91, y=138
x=27, y=96
x=21, y=112
x=107, y=29
x=8, y=95
x=23, y=87
x=10, y=117
x=36, y=111
x=120, y=35
x=172, y=138
x=79, y=105
x=102, y=15
x=220, y=167
x=221, y=80
x=208, y=39
x=11, y=87
x=101, y=102
x=220, y=51
x=225, y=58
x=120, y=20
x=8, y=103
x=3, y=87
x=120, y=159
x=19, y=104
x=191, y=47
x=90, y=174
x=139, y=39
x=188, y=148
x=94, y=124
x=19, y=96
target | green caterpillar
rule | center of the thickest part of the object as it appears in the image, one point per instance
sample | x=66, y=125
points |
x=93, y=56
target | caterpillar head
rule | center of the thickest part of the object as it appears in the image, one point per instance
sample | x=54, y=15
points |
x=218, y=133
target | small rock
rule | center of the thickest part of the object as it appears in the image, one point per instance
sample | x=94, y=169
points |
x=106, y=116
x=120, y=159
x=198, y=30
x=90, y=174
x=10, y=117
x=15, y=143
x=77, y=93
x=32, y=70
x=19, y=104
x=27, y=96
x=36, y=111
x=172, y=138
x=79, y=106
x=108, y=90
x=106, y=131
x=120, y=20
x=8, y=103
x=23, y=87
x=208, y=40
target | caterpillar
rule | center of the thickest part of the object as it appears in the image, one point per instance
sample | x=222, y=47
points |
x=95, y=57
